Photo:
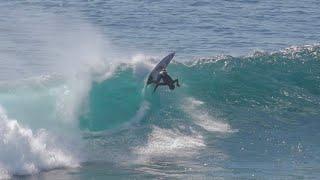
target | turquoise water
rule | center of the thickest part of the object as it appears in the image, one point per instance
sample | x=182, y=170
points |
x=74, y=104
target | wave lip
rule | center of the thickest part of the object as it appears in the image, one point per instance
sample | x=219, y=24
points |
x=291, y=52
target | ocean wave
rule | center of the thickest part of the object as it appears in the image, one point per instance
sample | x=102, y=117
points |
x=215, y=95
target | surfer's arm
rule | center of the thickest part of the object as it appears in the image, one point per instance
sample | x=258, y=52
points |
x=158, y=84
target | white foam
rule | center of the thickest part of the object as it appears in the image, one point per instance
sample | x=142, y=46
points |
x=170, y=142
x=26, y=152
x=144, y=107
x=202, y=118
x=4, y=174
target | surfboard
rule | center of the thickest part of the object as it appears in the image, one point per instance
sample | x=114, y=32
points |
x=154, y=76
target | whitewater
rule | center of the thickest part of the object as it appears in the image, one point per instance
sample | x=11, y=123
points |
x=73, y=100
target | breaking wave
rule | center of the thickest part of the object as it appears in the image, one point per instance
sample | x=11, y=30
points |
x=44, y=119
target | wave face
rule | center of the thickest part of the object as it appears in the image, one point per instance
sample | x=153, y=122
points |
x=283, y=83
x=267, y=102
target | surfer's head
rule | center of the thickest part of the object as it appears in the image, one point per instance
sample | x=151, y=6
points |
x=171, y=86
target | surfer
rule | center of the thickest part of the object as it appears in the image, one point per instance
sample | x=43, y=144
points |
x=166, y=80
x=159, y=73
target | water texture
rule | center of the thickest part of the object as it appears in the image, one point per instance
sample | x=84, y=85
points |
x=74, y=105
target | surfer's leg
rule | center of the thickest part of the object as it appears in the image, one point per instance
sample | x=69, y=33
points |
x=177, y=81
x=155, y=88
x=158, y=84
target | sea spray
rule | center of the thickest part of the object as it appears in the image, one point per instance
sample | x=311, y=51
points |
x=45, y=92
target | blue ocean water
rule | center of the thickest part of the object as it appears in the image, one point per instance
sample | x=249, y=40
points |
x=74, y=105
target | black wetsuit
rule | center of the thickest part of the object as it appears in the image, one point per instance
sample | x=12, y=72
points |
x=167, y=80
